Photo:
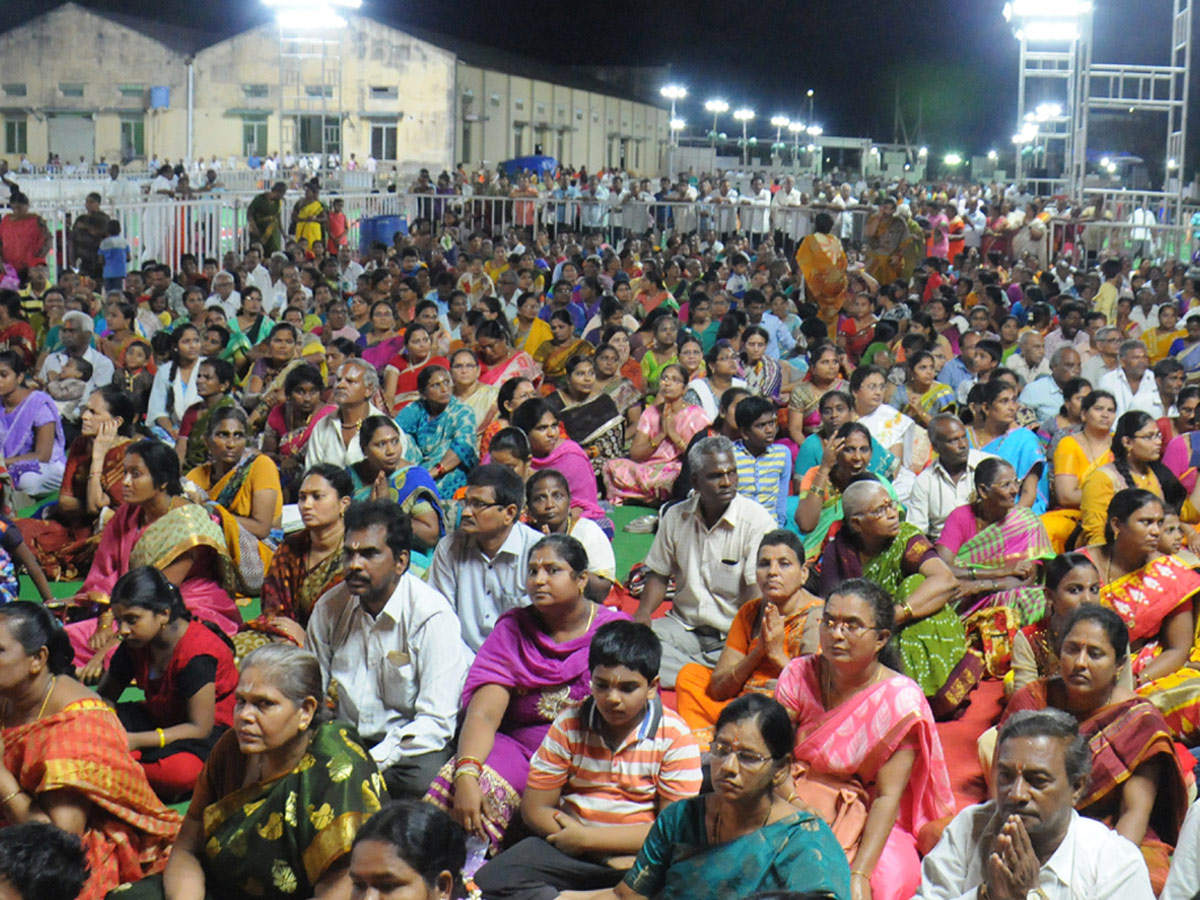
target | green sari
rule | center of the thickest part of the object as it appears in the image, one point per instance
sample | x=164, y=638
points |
x=934, y=649
x=677, y=861
x=275, y=840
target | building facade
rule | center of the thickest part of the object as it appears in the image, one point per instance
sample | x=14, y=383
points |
x=79, y=83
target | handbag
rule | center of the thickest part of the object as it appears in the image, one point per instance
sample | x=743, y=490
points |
x=841, y=803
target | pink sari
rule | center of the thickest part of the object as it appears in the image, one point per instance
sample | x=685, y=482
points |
x=653, y=479
x=127, y=543
x=855, y=739
x=519, y=365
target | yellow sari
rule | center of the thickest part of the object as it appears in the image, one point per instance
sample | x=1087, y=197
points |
x=310, y=231
x=233, y=496
x=1070, y=458
x=822, y=261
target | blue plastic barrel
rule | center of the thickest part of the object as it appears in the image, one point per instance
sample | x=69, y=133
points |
x=160, y=96
x=379, y=228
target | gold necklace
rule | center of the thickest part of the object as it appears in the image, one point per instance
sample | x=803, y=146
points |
x=46, y=699
x=716, y=832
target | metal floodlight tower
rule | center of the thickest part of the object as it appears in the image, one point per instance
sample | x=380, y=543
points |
x=716, y=107
x=744, y=115
x=1060, y=32
x=674, y=92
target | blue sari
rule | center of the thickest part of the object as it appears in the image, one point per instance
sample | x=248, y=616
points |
x=453, y=429
x=1020, y=448
x=414, y=489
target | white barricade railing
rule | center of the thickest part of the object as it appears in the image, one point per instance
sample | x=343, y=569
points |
x=1084, y=242
x=164, y=230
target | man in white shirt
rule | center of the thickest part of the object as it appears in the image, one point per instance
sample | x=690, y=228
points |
x=946, y=484
x=256, y=272
x=348, y=271
x=755, y=217
x=1132, y=383
x=1145, y=311
x=224, y=294
x=974, y=224
x=76, y=334
x=391, y=647
x=784, y=218
x=480, y=567
x=1029, y=362
x=334, y=439
x=709, y=543
x=1103, y=360
x=1029, y=842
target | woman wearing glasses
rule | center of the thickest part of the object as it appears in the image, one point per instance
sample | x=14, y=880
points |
x=743, y=838
x=1136, y=450
x=863, y=727
x=993, y=546
x=873, y=543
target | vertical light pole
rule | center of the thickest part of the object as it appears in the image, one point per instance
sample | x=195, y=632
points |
x=673, y=92
x=780, y=123
x=744, y=115
x=796, y=128
x=716, y=107
x=810, y=104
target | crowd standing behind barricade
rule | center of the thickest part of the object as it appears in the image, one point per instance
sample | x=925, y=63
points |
x=918, y=610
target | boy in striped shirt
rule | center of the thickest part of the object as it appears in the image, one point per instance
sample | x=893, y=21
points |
x=605, y=770
x=764, y=467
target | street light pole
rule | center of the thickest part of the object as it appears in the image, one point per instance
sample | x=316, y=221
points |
x=716, y=107
x=744, y=115
x=810, y=105
x=673, y=92
x=780, y=123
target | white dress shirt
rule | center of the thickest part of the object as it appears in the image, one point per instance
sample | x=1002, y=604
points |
x=259, y=278
x=935, y=494
x=1092, y=862
x=399, y=675
x=783, y=212
x=1144, y=397
x=230, y=304
x=755, y=218
x=714, y=568
x=1145, y=321
x=325, y=443
x=481, y=589
x=1183, y=882
x=102, y=368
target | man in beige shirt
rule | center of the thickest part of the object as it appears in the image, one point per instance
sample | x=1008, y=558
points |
x=709, y=543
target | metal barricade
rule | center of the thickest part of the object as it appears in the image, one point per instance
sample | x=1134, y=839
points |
x=1085, y=242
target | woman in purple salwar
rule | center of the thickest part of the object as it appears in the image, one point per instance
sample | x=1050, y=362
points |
x=31, y=431
x=532, y=665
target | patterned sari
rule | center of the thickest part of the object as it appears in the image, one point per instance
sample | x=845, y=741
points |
x=277, y=839
x=822, y=262
x=1122, y=737
x=852, y=741
x=543, y=678
x=595, y=424
x=831, y=511
x=453, y=429
x=885, y=242
x=653, y=479
x=519, y=365
x=127, y=544
x=411, y=486
x=764, y=378
x=553, y=360
x=1019, y=536
x=291, y=588
x=84, y=750
x=934, y=649
x=294, y=441
x=65, y=551
x=232, y=496
x=197, y=448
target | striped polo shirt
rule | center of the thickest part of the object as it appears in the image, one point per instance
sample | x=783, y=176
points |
x=764, y=479
x=658, y=763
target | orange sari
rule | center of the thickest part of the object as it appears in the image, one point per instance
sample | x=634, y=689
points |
x=823, y=264
x=83, y=749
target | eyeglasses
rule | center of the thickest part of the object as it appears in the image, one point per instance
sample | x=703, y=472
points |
x=1156, y=435
x=747, y=759
x=475, y=505
x=850, y=627
x=880, y=511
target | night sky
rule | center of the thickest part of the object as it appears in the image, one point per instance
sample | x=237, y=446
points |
x=959, y=57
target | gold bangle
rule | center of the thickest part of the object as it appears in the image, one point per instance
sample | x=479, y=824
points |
x=162, y=737
x=4, y=801
x=907, y=609
x=860, y=873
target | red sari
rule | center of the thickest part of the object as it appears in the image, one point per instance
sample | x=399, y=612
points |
x=83, y=749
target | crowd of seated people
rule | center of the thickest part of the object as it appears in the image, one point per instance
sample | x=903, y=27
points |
x=331, y=585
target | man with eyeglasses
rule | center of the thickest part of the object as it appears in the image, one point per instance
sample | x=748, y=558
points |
x=1105, y=344
x=76, y=334
x=1132, y=383
x=390, y=646
x=480, y=567
x=709, y=543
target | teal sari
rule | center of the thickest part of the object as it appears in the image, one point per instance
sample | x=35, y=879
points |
x=453, y=429
x=677, y=862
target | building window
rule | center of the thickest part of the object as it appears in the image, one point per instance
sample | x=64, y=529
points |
x=319, y=90
x=379, y=92
x=519, y=103
x=131, y=90
x=383, y=140
x=518, y=135
x=133, y=138
x=14, y=90
x=254, y=135
x=15, y=136
x=71, y=89
x=319, y=134
x=494, y=99
x=254, y=90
